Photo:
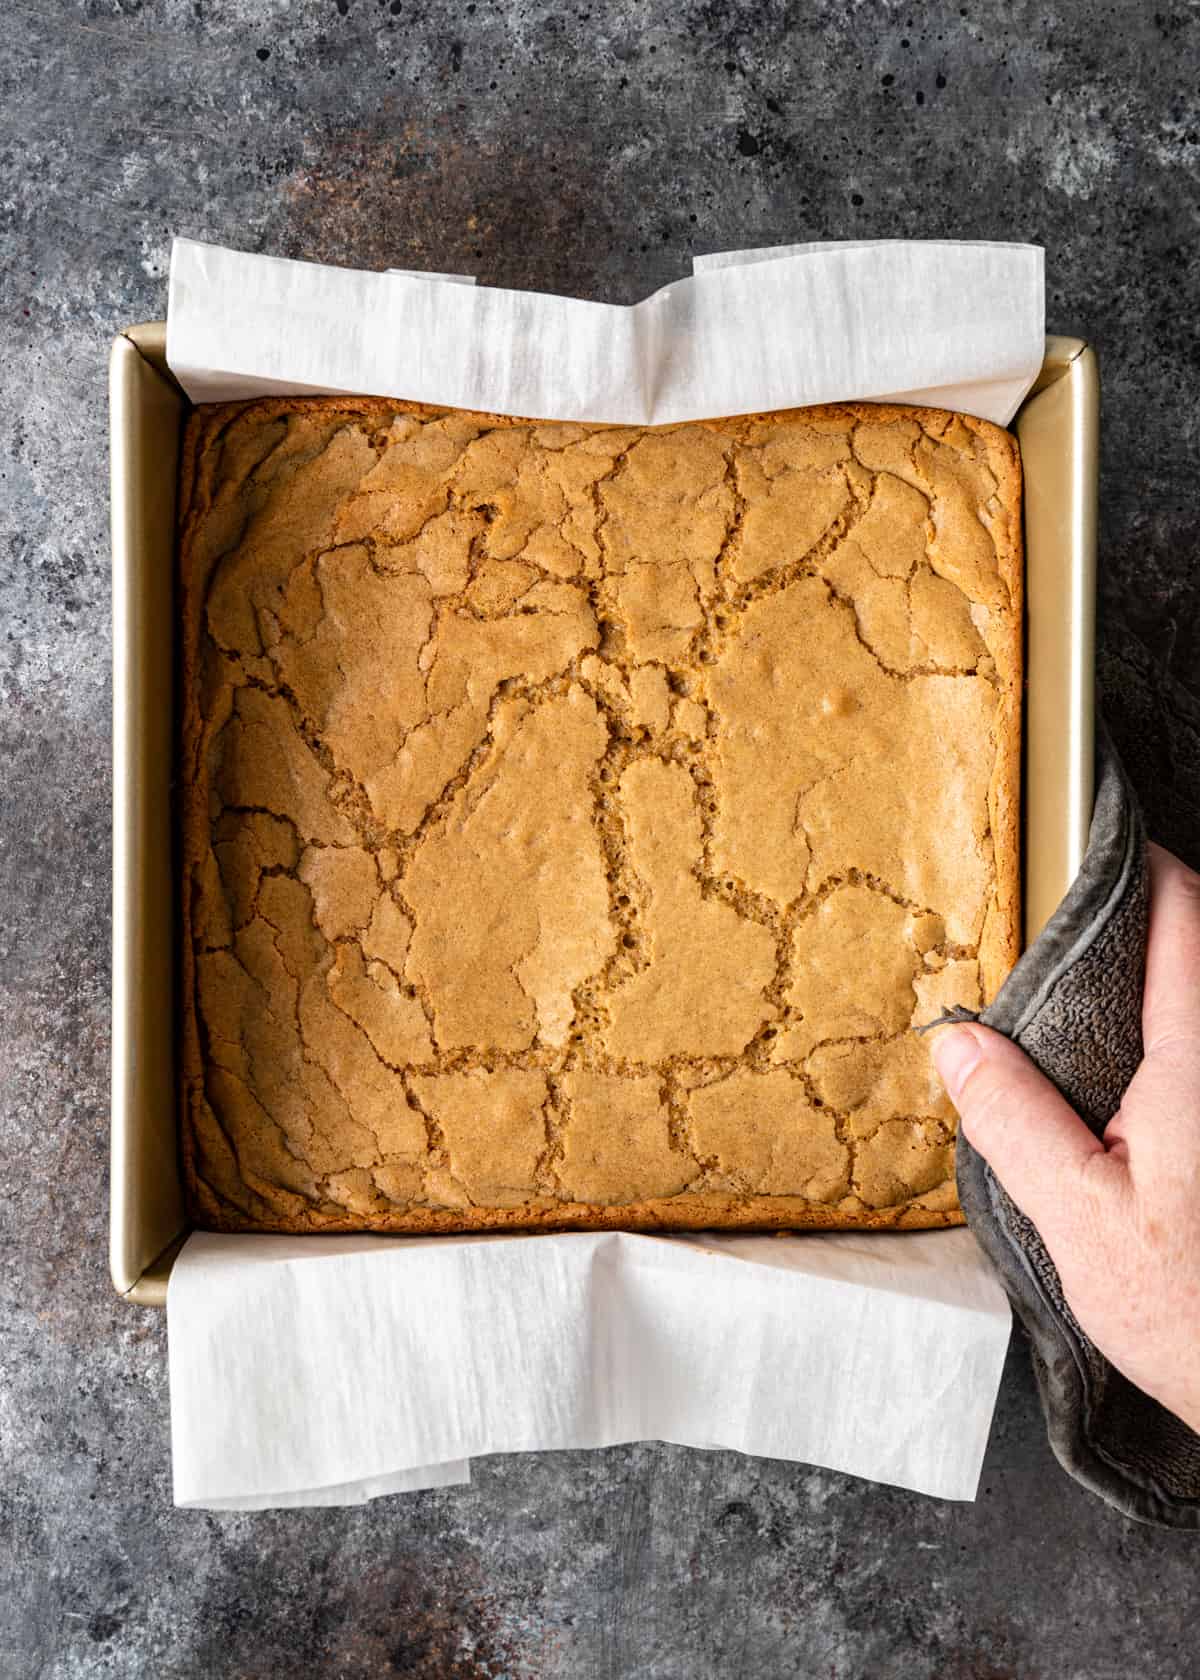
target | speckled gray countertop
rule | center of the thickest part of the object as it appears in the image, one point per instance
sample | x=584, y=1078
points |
x=586, y=149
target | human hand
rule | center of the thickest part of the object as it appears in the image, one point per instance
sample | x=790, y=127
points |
x=1119, y=1215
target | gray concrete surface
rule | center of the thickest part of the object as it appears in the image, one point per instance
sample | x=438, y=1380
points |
x=588, y=148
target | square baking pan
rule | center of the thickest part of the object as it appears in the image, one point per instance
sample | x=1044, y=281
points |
x=1058, y=429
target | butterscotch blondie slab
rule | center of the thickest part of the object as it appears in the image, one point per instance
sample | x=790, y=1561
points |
x=577, y=819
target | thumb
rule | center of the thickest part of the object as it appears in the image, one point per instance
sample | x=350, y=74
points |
x=1029, y=1135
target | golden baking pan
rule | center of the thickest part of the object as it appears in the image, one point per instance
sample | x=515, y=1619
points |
x=1058, y=428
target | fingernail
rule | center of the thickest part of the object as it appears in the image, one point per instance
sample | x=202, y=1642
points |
x=955, y=1052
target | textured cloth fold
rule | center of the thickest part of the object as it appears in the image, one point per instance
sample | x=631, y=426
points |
x=1073, y=1004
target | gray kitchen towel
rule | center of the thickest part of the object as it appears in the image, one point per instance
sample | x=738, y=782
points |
x=1073, y=1004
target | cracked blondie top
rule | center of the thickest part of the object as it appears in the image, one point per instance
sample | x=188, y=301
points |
x=577, y=819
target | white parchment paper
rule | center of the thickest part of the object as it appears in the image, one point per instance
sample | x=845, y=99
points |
x=328, y=1370
x=947, y=324
x=343, y=1366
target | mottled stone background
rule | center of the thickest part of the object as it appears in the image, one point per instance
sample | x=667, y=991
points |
x=589, y=149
